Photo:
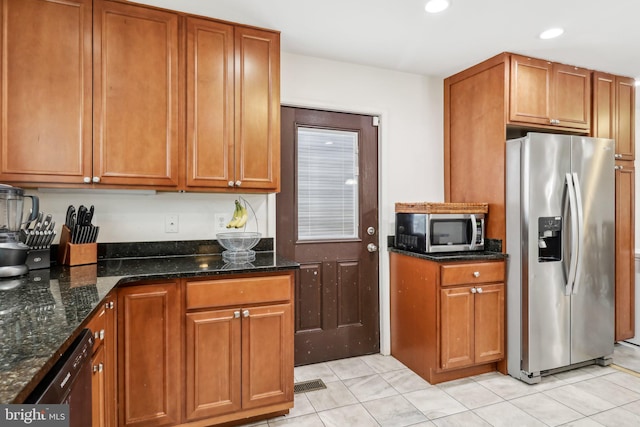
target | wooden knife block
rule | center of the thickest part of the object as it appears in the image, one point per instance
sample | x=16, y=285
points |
x=75, y=254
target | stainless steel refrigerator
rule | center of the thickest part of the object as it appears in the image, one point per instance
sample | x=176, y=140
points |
x=560, y=240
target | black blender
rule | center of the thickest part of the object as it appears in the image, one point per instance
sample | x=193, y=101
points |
x=13, y=253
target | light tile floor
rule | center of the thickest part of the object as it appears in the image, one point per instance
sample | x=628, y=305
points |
x=378, y=390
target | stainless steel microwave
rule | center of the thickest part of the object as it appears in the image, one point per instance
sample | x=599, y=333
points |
x=439, y=232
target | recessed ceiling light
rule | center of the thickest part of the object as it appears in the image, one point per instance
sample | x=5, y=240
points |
x=551, y=33
x=436, y=6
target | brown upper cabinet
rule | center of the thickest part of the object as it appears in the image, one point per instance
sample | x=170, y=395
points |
x=46, y=91
x=233, y=103
x=107, y=109
x=614, y=107
x=135, y=95
x=551, y=94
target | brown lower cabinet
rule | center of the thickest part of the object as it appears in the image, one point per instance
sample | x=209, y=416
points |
x=103, y=395
x=205, y=351
x=447, y=318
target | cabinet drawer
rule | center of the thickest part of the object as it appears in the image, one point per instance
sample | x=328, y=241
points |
x=462, y=274
x=238, y=291
x=97, y=325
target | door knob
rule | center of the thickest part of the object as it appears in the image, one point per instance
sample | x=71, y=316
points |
x=372, y=247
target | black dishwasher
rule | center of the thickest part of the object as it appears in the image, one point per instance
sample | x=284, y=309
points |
x=69, y=382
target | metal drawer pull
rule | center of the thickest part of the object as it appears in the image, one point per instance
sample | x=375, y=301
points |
x=479, y=290
x=236, y=314
x=245, y=313
x=473, y=290
x=476, y=274
x=98, y=368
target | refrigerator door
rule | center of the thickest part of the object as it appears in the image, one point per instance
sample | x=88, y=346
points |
x=546, y=309
x=592, y=300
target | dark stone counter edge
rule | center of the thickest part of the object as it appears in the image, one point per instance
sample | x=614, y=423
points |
x=283, y=265
x=454, y=256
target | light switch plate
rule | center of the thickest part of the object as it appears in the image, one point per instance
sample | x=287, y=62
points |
x=171, y=223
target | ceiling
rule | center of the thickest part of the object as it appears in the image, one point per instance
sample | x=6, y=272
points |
x=399, y=35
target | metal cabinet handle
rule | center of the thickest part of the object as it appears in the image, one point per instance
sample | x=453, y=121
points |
x=473, y=290
x=617, y=156
x=98, y=368
x=101, y=334
x=479, y=290
x=476, y=274
x=618, y=167
x=238, y=183
x=230, y=183
x=245, y=313
x=236, y=314
x=86, y=180
x=96, y=179
x=109, y=305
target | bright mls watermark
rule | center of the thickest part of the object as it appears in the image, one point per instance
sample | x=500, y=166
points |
x=34, y=415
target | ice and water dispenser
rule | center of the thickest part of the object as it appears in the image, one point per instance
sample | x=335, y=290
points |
x=549, y=238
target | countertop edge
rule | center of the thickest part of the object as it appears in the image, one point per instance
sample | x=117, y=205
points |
x=453, y=256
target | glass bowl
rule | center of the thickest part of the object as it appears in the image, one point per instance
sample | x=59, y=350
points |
x=238, y=241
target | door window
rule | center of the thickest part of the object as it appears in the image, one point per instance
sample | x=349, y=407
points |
x=327, y=174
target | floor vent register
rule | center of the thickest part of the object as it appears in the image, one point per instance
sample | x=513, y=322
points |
x=312, y=385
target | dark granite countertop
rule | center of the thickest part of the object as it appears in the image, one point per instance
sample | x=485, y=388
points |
x=42, y=312
x=454, y=256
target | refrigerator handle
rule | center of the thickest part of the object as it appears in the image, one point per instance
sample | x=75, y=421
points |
x=573, y=262
x=578, y=192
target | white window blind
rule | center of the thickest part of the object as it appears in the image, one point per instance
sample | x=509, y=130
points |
x=327, y=184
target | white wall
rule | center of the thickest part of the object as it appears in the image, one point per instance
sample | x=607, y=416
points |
x=139, y=216
x=411, y=134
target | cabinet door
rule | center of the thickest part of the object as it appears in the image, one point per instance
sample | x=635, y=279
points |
x=46, y=91
x=213, y=352
x=489, y=323
x=625, y=247
x=110, y=358
x=571, y=101
x=267, y=355
x=530, y=98
x=209, y=158
x=257, y=107
x=98, y=389
x=625, y=118
x=135, y=95
x=604, y=106
x=457, y=326
x=149, y=348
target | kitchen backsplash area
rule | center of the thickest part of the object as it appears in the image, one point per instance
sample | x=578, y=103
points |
x=139, y=216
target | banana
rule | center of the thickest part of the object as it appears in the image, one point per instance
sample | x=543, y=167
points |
x=240, y=216
x=244, y=215
x=236, y=216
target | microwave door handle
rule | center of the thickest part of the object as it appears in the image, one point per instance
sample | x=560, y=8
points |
x=474, y=232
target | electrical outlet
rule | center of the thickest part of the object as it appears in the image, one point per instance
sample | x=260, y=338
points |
x=171, y=223
x=221, y=221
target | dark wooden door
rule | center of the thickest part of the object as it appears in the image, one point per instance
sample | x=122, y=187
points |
x=327, y=220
